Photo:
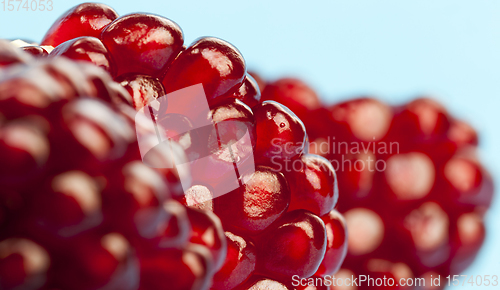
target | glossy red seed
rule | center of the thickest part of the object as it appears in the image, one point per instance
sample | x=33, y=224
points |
x=143, y=43
x=280, y=134
x=94, y=130
x=366, y=231
x=162, y=227
x=294, y=94
x=336, y=249
x=86, y=48
x=23, y=264
x=179, y=269
x=134, y=196
x=467, y=239
x=426, y=230
x=36, y=51
x=366, y=119
x=87, y=19
x=10, y=54
x=70, y=204
x=101, y=261
x=213, y=62
x=357, y=172
x=142, y=88
x=22, y=92
x=24, y=151
x=467, y=182
x=225, y=146
x=421, y=119
x=313, y=184
x=261, y=200
x=294, y=245
x=198, y=197
x=207, y=231
x=238, y=265
x=248, y=92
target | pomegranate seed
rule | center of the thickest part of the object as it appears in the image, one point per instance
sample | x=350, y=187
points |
x=11, y=55
x=179, y=269
x=248, y=92
x=142, y=88
x=261, y=200
x=36, y=51
x=313, y=186
x=23, y=264
x=216, y=64
x=207, y=231
x=87, y=19
x=294, y=94
x=86, y=48
x=142, y=43
x=280, y=134
x=239, y=264
x=336, y=249
x=299, y=242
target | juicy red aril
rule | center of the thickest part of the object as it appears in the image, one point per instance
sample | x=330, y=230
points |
x=87, y=19
x=12, y=55
x=70, y=204
x=336, y=248
x=421, y=120
x=216, y=64
x=36, y=51
x=366, y=231
x=248, y=92
x=24, y=151
x=142, y=88
x=94, y=130
x=86, y=48
x=142, y=43
x=466, y=240
x=179, y=269
x=294, y=94
x=101, y=261
x=462, y=134
x=238, y=265
x=409, y=176
x=467, y=182
x=313, y=184
x=23, y=264
x=426, y=229
x=261, y=200
x=22, y=93
x=280, y=134
x=293, y=245
x=228, y=144
x=137, y=192
x=366, y=119
x=198, y=197
x=207, y=231
x=356, y=184
x=163, y=227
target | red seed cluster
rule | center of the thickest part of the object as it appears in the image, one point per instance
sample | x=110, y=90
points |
x=79, y=182
x=413, y=192
x=78, y=207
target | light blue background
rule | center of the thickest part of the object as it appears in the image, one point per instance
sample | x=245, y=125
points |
x=391, y=49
